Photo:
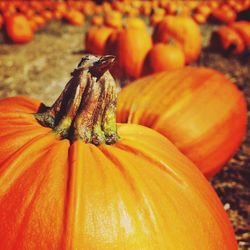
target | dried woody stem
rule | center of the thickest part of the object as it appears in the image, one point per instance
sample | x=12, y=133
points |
x=86, y=108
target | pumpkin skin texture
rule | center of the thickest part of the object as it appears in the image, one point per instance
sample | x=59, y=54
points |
x=183, y=30
x=198, y=109
x=129, y=195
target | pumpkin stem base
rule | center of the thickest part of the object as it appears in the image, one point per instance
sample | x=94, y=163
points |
x=86, y=108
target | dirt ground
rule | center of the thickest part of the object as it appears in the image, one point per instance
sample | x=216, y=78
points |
x=41, y=68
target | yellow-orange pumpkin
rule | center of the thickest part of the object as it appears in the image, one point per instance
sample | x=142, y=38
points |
x=198, y=109
x=59, y=191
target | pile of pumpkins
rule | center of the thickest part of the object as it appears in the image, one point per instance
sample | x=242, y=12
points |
x=21, y=19
x=72, y=178
x=175, y=42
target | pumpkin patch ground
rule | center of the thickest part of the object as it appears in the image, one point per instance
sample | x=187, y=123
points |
x=40, y=69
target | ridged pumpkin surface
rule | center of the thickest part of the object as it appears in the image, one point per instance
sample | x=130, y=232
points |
x=197, y=109
x=140, y=193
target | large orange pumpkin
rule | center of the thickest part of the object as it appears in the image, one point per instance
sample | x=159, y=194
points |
x=198, y=109
x=183, y=30
x=60, y=191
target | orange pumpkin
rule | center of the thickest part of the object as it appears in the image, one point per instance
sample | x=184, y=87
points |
x=224, y=14
x=199, y=18
x=1, y=21
x=165, y=57
x=243, y=29
x=145, y=8
x=113, y=19
x=96, y=38
x=38, y=20
x=155, y=19
x=18, y=29
x=133, y=45
x=47, y=15
x=172, y=8
x=227, y=40
x=204, y=9
x=75, y=17
x=198, y=109
x=183, y=30
x=135, y=22
x=97, y=20
x=88, y=8
x=60, y=191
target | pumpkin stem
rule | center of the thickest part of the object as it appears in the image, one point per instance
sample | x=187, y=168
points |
x=86, y=108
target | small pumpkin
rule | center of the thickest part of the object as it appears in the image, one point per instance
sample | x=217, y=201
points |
x=135, y=22
x=183, y=30
x=18, y=29
x=199, y=18
x=97, y=20
x=163, y=57
x=224, y=14
x=61, y=189
x=243, y=29
x=227, y=40
x=155, y=19
x=198, y=109
x=96, y=38
x=47, y=15
x=1, y=21
x=113, y=19
x=39, y=21
x=75, y=17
